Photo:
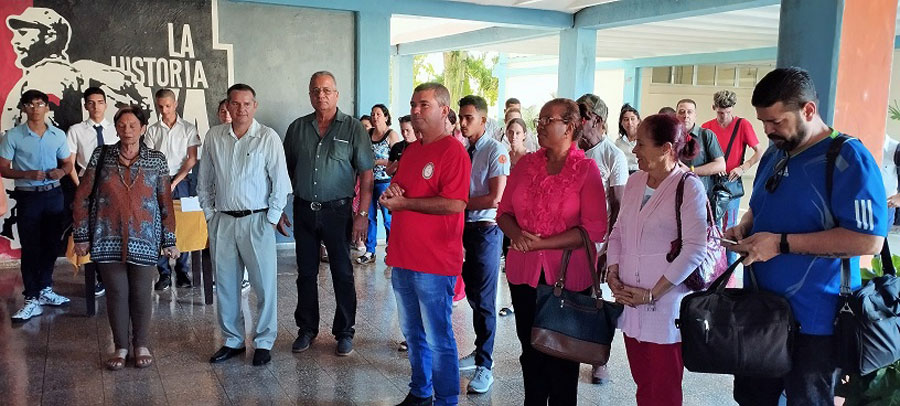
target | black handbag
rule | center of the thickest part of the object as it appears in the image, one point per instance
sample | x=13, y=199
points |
x=723, y=190
x=746, y=332
x=92, y=198
x=571, y=325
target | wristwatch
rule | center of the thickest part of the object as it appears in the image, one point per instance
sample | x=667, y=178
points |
x=362, y=213
x=783, y=246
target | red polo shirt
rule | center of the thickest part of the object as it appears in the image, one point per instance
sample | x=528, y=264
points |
x=422, y=242
x=744, y=138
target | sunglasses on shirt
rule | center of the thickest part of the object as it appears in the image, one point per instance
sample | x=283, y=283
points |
x=778, y=174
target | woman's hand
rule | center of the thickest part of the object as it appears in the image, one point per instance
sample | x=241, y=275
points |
x=612, y=279
x=171, y=252
x=82, y=248
x=633, y=296
x=526, y=242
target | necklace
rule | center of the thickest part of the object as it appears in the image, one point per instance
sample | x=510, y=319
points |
x=128, y=167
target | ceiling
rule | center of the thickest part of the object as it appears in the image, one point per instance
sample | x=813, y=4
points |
x=566, y=6
x=720, y=32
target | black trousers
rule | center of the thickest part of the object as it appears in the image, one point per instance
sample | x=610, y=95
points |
x=41, y=223
x=331, y=226
x=548, y=380
x=810, y=382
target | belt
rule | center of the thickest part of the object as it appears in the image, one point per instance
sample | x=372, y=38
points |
x=42, y=188
x=316, y=206
x=243, y=213
x=477, y=224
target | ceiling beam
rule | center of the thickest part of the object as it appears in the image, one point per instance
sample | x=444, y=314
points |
x=507, y=16
x=622, y=13
x=477, y=38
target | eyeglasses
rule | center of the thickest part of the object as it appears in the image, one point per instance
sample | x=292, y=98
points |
x=34, y=105
x=326, y=91
x=780, y=169
x=543, y=121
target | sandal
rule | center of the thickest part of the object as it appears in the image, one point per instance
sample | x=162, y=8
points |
x=506, y=311
x=143, y=360
x=117, y=362
x=366, y=258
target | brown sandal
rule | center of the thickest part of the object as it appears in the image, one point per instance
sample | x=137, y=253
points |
x=143, y=361
x=115, y=363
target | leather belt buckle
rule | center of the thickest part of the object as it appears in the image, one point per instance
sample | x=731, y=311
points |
x=315, y=206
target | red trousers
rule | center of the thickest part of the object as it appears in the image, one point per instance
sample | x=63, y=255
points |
x=657, y=369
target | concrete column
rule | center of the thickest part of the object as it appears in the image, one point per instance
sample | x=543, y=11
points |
x=401, y=85
x=632, y=91
x=373, y=60
x=577, y=62
x=848, y=52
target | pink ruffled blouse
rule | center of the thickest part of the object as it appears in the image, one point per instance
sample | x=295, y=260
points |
x=552, y=204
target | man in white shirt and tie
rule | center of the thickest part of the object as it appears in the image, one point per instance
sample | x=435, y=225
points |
x=83, y=138
x=178, y=140
x=243, y=187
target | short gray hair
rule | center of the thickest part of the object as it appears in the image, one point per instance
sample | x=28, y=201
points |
x=323, y=73
x=441, y=94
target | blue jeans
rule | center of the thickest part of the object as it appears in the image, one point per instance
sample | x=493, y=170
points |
x=41, y=217
x=730, y=219
x=372, y=234
x=480, y=272
x=424, y=305
x=181, y=264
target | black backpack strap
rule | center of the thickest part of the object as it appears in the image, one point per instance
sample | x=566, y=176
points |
x=834, y=149
x=679, y=199
x=897, y=164
x=737, y=125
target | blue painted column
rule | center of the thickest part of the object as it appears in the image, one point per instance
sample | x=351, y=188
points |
x=577, y=62
x=499, y=72
x=373, y=60
x=401, y=85
x=632, y=91
x=814, y=47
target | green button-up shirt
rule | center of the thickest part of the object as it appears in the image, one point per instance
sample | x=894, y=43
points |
x=324, y=168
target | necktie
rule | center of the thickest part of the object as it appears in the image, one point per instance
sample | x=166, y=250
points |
x=471, y=150
x=99, y=129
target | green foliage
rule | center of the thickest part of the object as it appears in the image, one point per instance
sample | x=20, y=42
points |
x=894, y=110
x=882, y=387
x=463, y=74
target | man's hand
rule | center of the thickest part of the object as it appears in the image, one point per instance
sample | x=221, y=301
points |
x=56, y=174
x=283, y=225
x=894, y=201
x=82, y=248
x=172, y=186
x=735, y=174
x=360, y=226
x=36, y=175
x=171, y=252
x=393, y=190
x=395, y=202
x=736, y=233
x=759, y=247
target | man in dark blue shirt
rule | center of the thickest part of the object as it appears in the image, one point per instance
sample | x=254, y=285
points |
x=796, y=233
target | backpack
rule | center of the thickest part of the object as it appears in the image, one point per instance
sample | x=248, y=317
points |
x=714, y=262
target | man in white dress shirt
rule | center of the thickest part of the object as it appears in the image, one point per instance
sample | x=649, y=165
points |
x=178, y=140
x=83, y=138
x=243, y=187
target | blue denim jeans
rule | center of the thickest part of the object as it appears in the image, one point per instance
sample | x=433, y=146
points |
x=183, y=189
x=372, y=234
x=731, y=218
x=424, y=305
x=480, y=272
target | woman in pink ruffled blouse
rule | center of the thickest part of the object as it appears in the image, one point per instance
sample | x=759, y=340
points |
x=549, y=194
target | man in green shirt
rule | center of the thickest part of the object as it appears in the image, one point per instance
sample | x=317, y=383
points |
x=325, y=152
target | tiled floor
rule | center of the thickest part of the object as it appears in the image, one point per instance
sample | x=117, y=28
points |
x=57, y=357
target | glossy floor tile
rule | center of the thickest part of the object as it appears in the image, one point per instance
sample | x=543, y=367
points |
x=57, y=358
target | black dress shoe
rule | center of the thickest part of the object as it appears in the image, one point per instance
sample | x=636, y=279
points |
x=225, y=353
x=182, y=280
x=416, y=401
x=261, y=357
x=302, y=342
x=164, y=282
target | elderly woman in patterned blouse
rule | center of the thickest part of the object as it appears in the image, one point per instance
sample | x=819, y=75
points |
x=123, y=223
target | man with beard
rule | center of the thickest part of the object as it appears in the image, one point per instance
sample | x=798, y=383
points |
x=796, y=233
x=709, y=160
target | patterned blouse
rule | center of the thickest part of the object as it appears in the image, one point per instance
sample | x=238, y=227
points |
x=382, y=150
x=133, y=217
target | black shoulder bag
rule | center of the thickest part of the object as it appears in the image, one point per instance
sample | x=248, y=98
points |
x=723, y=190
x=92, y=199
x=867, y=326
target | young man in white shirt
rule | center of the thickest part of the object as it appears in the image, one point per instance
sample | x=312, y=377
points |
x=179, y=141
x=83, y=138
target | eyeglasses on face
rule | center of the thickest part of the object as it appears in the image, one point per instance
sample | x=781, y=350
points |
x=778, y=174
x=35, y=105
x=543, y=121
x=326, y=91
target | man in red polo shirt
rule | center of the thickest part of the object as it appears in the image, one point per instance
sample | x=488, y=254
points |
x=428, y=198
x=726, y=126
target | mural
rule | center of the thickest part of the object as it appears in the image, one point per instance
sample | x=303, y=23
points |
x=128, y=49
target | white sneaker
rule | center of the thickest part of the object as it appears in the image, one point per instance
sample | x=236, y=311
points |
x=467, y=363
x=32, y=308
x=49, y=297
x=482, y=381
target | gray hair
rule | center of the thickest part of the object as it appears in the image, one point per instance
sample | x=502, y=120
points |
x=441, y=94
x=323, y=73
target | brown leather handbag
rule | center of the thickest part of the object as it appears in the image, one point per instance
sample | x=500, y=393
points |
x=572, y=325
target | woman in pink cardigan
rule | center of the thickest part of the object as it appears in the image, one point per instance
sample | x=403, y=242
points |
x=639, y=274
x=549, y=194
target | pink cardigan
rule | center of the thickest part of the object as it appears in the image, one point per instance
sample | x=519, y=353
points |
x=550, y=205
x=639, y=243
